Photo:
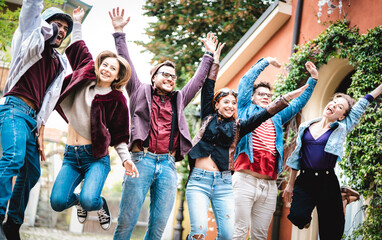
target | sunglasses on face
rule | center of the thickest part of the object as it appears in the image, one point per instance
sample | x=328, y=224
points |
x=263, y=94
x=168, y=75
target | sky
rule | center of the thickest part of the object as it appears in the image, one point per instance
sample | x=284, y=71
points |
x=97, y=30
x=97, y=34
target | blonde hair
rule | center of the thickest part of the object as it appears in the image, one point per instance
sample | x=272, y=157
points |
x=124, y=72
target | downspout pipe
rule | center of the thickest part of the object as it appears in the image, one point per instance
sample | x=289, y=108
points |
x=297, y=25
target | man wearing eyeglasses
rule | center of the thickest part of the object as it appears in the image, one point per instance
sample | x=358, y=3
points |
x=259, y=155
x=159, y=136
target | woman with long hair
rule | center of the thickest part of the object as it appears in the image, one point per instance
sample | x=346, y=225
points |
x=319, y=146
x=93, y=105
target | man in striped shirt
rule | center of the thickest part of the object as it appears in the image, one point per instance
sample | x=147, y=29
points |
x=259, y=155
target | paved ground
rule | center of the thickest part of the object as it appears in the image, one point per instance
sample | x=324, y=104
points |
x=36, y=233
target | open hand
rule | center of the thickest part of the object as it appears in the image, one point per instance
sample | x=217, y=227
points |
x=288, y=193
x=210, y=42
x=131, y=169
x=78, y=14
x=217, y=52
x=274, y=62
x=117, y=19
x=312, y=69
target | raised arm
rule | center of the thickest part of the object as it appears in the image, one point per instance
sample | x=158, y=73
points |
x=78, y=15
x=247, y=126
x=246, y=82
x=78, y=53
x=30, y=15
x=304, y=95
x=359, y=109
x=274, y=107
x=196, y=82
x=376, y=92
x=207, y=94
x=118, y=22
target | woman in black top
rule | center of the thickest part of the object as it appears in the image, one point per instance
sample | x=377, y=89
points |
x=211, y=158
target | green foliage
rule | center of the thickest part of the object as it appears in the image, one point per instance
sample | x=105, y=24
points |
x=363, y=152
x=9, y=22
x=180, y=25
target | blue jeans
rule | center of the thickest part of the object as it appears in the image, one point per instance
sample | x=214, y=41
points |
x=157, y=172
x=79, y=164
x=205, y=186
x=20, y=156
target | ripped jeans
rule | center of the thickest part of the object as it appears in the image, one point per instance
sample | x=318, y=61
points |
x=205, y=186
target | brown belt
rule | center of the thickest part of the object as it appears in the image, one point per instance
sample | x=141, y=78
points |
x=135, y=148
x=27, y=101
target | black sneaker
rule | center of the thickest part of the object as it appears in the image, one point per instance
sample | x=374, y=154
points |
x=82, y=214
x=11, y=229
x=104, y=216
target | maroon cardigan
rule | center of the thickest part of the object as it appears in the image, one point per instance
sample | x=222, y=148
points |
x=109, y=115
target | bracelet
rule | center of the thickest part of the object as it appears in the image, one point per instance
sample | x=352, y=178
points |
x=284, y=99
x=209, y=53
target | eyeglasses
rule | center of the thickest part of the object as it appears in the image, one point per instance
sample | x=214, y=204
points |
x=263, y=94
x=225, y=92
x=168, y=75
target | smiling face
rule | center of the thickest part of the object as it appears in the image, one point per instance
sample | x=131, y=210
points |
x=62, y=31
x=108, y=71
x=226, y=106
x=262, y=97
x=164, y=85
x=335, y=110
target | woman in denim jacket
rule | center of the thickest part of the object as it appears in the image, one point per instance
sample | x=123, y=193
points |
x=212, y=156
x=319, y=146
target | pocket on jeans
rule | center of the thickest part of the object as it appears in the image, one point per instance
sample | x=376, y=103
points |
x=227, y=180
x=172, y=163
x=136, y=159
x=196, y=176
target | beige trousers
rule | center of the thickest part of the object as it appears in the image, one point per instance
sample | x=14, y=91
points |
x=255, y=203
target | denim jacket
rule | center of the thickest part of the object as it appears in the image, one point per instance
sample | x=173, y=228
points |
x=246, y=109
x=337, y=138
x=27, y=46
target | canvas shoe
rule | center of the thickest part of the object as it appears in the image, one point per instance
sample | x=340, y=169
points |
x=82, y=214
x=104, y=216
